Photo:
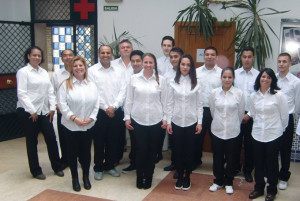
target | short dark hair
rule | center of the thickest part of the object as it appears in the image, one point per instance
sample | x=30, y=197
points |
x=105, y=46
x=248, y=49
x=271, y=73
x=192, y=72
x=177, y=49
x=168, y=38
x=230, y=69
x=125, y=41
x=285, y=54
x=61, y=54
x=28, y=52
x=136, y=52
x=211, y=48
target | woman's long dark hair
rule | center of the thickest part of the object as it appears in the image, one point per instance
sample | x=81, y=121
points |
x=192, y=72
x=28, y=51
x=155, y=65
x=271, y=73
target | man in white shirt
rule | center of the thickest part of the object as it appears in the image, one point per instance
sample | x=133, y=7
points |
x=57, y=78
x=111, y=84
x=209, y=77
x=163, y=62
x=244, y=80
x=290, y=86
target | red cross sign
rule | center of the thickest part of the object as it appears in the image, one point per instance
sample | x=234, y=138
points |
x=84, y=7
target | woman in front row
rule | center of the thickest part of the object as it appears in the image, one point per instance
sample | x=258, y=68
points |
x=270, y=113
x=145, y=113
x=184, y=118
x=78, y=103
x=227, y=108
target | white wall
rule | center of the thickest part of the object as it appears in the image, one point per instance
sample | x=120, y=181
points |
x=15, y=10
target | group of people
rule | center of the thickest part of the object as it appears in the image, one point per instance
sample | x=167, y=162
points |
x=242, y=107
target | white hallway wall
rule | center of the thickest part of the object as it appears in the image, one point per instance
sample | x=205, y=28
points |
x=151, y=20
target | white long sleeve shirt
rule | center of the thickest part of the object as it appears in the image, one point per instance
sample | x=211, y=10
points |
x=58, y=77
x=290, y=86
x=35, y=91
x=146, y=100
x=184, y=106
x=245, y=81
x=227, y=110
x=81, y=101
x=128, y=69
x=111, y=84
x=270, y=115
x=208, y=80
x=170, y=75
x=298, y=128
x=163, y=65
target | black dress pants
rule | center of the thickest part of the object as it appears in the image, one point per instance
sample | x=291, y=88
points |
x=62, y=132
x=31, y=130
x=132, y=154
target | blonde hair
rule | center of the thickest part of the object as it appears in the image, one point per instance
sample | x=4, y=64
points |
x=69, y=81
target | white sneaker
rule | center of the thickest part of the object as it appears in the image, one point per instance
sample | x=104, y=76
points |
x=215, y=187
x=229, y=189
x=282, y=185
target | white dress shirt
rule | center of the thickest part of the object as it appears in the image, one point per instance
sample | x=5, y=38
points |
x=290, y=86
x=120, y=64
x=184, y=106
x=170, y=75
x=298, y=128
x=245, y=81
x=270, y=115
x=163, y=64
x=208, y=80
x=227, y=110
x=81, y=101
x=35, y=91
x=146, y=100
x=58, y=77
x=111, y=85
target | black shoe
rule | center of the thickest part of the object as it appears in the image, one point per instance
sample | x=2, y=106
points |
x=270, y=197
x=186, y=185
x=60, y=173
x=175, y=175
x=76, y=185
x=86, y=183
x=40, y=176
x=129, y=169
x=255, y=194
x=148, y=183
x=139, y=182
x=178, y=184
x=170, y=167
x=248, y=177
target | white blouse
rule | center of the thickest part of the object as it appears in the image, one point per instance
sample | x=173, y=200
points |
x=227, y=110
x=81, y=101
x=35, y=91
x=184, y=106
x=58, y=77
x=270, y=115
x=146, y=100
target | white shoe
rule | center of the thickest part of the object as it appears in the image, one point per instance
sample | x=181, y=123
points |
x=282, y=185
x=215, y=187
x=229, y=189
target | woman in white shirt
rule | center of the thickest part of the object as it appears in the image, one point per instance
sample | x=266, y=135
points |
x=227, y=106
x=184, y=118
x=78, y=103
x=35, y=95
x=145, y=114
x=269, y=109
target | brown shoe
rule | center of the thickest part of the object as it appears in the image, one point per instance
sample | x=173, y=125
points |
x=255, y=194
x=270, y=197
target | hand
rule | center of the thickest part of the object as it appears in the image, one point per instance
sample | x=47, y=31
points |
x=50, y=114
x=169, y=129
x=110, y=111
x=34, y=117
x=87, y=121
x=80, y=122
x=128, y=125
x=164, y=124
x=245, y=119
x=198, y=129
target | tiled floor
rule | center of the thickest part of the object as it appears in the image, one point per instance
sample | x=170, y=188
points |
x=16, y=183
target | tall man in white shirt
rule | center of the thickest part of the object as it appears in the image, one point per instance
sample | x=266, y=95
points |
x=244, y=80
x=290, y=86
x=111, y=84
x=163, y=62
x=57, y=78
x=209, y=76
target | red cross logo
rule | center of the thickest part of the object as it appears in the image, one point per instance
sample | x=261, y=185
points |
x=84, y=7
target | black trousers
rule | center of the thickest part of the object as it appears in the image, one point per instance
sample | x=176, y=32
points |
x=161, y=142
x=224, y=150
x=245, y=138
x=62, y=132
x=147, y=140
x=266, y=162
x=79, y=147
x=285, y=150
x=132, y=154
x=184, y=141
x=122, y=137
x=106, y=140
x=206, y=124
x=31, y=130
